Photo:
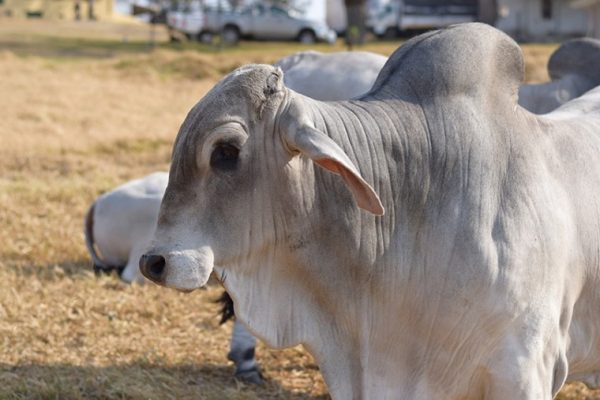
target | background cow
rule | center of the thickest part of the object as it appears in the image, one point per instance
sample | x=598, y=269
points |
x=120, y=224
x=574, y=69
x=331, y=76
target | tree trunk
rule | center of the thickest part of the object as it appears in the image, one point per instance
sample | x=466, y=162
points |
x=488, y=11
x=356, y=28
x=91, y=14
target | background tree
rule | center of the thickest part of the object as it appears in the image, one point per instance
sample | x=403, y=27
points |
x=487, y=11
x=91, y=14
x=356, y=13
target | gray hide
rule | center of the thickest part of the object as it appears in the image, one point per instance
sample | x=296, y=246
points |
x=574, y=69
x=480, y=279
x=331, y=76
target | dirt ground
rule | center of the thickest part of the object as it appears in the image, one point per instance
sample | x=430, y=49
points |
x=84, y=108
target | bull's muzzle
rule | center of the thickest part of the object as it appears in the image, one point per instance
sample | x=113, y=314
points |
x=153, y=267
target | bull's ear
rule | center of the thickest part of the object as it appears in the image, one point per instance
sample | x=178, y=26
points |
x=327, y=154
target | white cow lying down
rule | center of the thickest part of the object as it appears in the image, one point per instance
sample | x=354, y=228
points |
x=574, y=69
x=474, y=273
x=120, y=223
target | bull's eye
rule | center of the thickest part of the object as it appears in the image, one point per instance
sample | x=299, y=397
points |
x=224, y=157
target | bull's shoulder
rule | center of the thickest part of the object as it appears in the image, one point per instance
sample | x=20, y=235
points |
x=472, y=59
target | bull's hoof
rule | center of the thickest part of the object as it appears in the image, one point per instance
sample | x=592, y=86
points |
x=250, y=376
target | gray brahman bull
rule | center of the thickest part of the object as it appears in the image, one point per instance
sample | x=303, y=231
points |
x=574, y=69
x=120, y=223
x=479, y=280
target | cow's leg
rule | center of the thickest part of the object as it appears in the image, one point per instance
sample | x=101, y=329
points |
x=241, y=352
x=131, y=273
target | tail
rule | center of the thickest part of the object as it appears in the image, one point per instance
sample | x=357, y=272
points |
x=227, y=311
x=99, y=264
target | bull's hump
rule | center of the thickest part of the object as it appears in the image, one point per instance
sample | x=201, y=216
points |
x=473, y=59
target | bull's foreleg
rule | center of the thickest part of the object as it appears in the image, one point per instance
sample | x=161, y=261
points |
x=241, y=352
x=525, y=370
x=242, y=345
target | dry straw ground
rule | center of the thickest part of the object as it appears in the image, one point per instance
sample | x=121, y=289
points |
x=82, y=109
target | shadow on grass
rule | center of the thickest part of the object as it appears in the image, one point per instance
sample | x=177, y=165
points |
x=139, y=380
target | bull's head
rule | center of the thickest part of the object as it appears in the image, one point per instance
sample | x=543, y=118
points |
x=240, y=183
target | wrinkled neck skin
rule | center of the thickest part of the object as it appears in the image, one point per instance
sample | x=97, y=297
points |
x=351, y=287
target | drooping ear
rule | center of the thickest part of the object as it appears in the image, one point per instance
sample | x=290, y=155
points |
x=327, y=154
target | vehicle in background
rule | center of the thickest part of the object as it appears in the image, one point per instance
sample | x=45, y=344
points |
x=400, y=16
x=186, y=19
x=254, y=22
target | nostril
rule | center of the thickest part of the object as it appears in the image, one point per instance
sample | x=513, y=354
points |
x=157, y=265
x=153, y=266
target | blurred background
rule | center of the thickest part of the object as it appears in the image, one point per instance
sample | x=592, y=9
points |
x=201, y=20
x=92, y=93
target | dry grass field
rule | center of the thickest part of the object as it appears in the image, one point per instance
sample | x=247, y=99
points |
x=82, y=109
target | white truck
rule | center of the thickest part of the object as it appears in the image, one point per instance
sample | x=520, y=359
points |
x=403, y=15
x=257, y=21
x=185, y=19
x=263, y=22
